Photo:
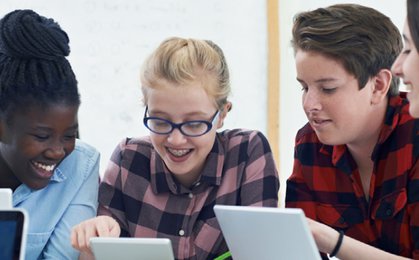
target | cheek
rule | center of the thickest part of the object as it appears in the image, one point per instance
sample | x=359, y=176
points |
x=28, y=148
x=206, y=142
x=157, y=140
x=410, y=65
x=69, y=147
x=414, y=69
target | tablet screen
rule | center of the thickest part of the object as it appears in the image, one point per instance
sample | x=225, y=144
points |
x=11, y=234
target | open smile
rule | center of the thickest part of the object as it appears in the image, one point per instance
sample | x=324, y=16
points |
x=44, y=171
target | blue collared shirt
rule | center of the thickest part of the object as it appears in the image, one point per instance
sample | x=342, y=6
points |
x=69, y=198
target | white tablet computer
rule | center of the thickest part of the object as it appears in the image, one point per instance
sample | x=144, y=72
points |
x=266, y=233
x=5, y=198
x=111, y=248
x=13, y=225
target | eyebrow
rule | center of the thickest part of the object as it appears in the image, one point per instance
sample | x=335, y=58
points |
x=73, y=127
x=196, y=113
x=322, y=80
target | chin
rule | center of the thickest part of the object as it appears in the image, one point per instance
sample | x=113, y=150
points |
x=37, y=185
x=328, y=141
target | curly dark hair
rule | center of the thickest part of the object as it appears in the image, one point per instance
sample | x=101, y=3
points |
x=33, y=65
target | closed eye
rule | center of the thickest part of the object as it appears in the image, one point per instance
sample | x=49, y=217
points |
x=406, y=52
x=194, y=124
x=70, y=137
x=329, y=90
x=304, y=88
x=40, y=137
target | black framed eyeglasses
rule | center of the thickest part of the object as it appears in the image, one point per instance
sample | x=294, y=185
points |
x=191, y=128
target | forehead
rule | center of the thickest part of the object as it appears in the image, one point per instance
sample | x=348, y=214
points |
x=406, y=32
x=313, y=64
x=53, y=115
x=180, y=98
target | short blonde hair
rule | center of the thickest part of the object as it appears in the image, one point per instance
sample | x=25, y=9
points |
x=179, y=61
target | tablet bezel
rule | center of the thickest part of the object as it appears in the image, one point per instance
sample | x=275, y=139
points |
x=19, y=216
x=127, y=248
x=5, y=198
x=266, y=233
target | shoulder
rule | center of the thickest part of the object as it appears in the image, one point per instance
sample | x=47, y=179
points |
x=400, y=125
x=305, y=133
x=84, y=159
x=307, y=144
x=135, y=143
x=241, y=134
x=398, y=116
x=140, y=145
x=85, y=149
x=133, y=149
x=245, y=139
x=84, y=152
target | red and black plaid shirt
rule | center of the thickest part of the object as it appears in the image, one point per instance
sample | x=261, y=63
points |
x=326, y=184
x=140, y=192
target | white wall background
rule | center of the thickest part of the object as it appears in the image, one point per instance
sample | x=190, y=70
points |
x=110, y=39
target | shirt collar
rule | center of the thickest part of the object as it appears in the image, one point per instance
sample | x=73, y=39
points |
x=23, y=191
x=59, y=176
x=161, y=180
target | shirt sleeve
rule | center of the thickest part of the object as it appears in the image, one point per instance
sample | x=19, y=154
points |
x=83, y=206
x=261, y=183
x=110, y=189
x=298, y=194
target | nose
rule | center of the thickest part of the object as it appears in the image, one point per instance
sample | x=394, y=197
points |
x=176, y=137
x=397, y=67
x=55, y=151
x=311, y=101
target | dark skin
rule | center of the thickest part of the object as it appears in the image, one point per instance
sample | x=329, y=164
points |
x=34, y=142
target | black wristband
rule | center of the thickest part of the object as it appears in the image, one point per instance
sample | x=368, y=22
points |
x=338, y=244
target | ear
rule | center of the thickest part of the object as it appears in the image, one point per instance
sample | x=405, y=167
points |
x=381, y=86
x=223, y=114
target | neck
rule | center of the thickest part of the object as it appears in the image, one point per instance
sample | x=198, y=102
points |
x=361, y=149
x=187, y=180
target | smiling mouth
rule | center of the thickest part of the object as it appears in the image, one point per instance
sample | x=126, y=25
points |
x=319, y=121
x=178, y=152
x=44, y=167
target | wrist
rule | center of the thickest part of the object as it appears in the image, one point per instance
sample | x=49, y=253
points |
x=338, y=244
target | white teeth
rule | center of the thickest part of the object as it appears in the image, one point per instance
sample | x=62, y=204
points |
x=178, y=153
x=44, y=166
x=408, y=87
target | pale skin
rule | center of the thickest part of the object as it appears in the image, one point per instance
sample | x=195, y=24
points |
x=406, y=67
x=351, y=249
x=184, y=156
x=338, y=111
x=101, y=226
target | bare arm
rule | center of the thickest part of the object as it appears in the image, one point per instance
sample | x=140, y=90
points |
x=326, y=239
